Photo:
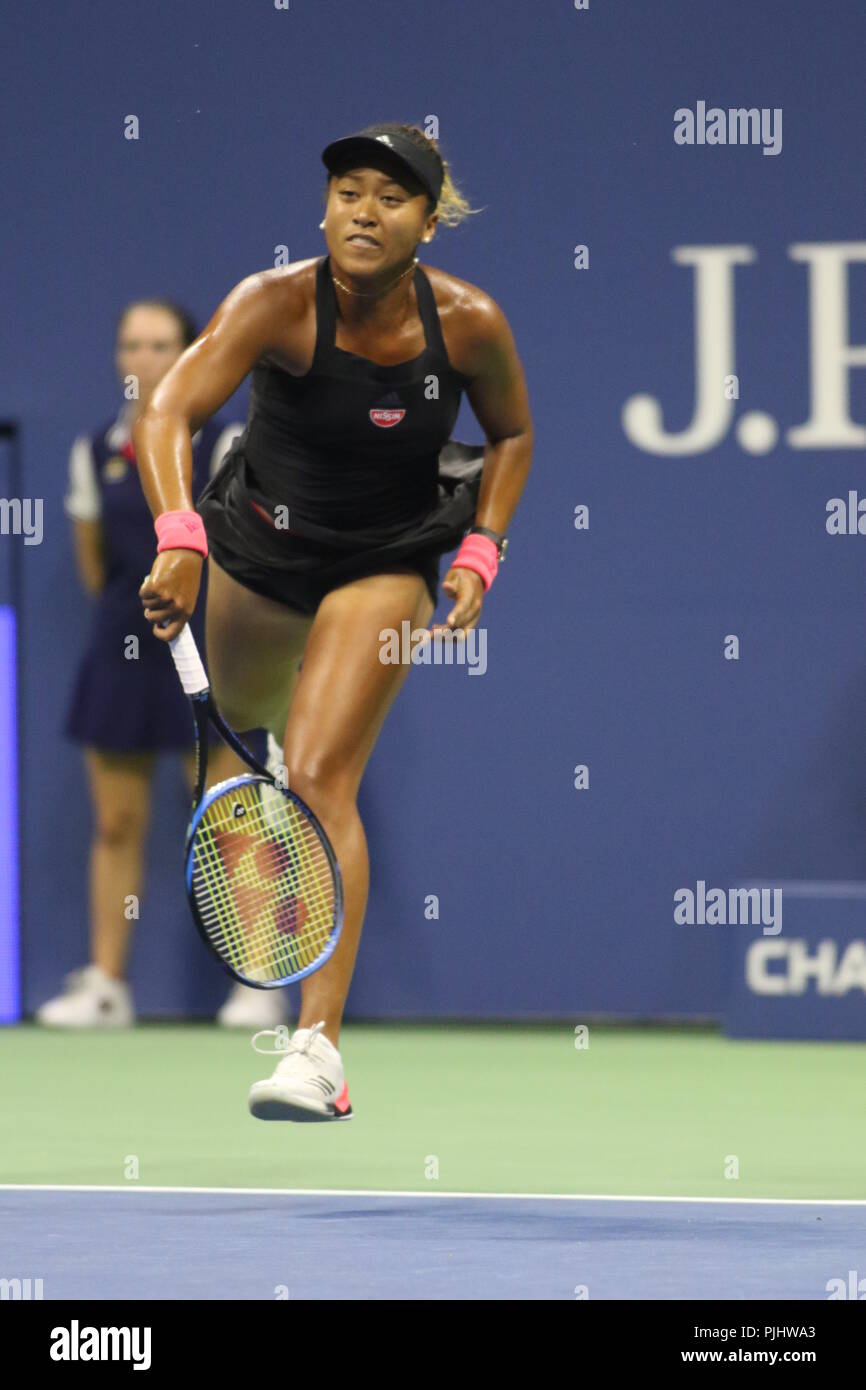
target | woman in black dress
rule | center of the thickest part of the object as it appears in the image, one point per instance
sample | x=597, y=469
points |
x=326, y=523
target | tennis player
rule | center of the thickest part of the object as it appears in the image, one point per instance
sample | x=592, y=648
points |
x=125, y=707
x=326, y=523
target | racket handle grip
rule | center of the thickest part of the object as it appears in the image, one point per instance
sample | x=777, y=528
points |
x=188, y=662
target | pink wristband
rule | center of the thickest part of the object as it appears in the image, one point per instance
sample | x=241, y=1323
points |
x=180, y=531
x=478, y=553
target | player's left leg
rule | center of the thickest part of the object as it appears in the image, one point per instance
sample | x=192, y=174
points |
x=343, y=694
x=339, y=704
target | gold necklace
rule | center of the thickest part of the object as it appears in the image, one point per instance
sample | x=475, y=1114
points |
x=378, y=292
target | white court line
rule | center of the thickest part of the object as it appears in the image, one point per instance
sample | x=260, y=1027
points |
x=473, y=1196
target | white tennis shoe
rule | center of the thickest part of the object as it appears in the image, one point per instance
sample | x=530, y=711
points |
x=308, y=1084
x=90, y=999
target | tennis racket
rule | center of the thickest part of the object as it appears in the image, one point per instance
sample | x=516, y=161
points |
x=262, y=879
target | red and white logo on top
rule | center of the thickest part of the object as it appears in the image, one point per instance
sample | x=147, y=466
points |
x=386, y=418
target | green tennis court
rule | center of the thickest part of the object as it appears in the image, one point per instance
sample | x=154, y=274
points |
x=654, y=1112
x=481, y=1162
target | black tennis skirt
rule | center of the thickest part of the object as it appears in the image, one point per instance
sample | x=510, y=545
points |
x=298, y=567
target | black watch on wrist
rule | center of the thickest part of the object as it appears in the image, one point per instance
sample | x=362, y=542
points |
x=501, y=541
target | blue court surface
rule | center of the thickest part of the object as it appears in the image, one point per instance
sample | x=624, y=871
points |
x=164, y=1243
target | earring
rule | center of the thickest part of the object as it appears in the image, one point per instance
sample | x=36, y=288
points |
x=322, y=225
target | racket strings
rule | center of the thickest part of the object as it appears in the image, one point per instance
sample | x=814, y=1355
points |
x=263, y=884
x=250, y=912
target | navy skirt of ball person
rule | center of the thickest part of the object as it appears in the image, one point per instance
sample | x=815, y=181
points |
x=131, y=705
x=299, y=566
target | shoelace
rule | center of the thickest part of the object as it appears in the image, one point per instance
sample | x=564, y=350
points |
x=291, y=1045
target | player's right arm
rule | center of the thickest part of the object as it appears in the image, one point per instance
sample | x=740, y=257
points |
x=202, y=379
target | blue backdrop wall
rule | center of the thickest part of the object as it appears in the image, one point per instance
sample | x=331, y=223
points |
x=609, y=645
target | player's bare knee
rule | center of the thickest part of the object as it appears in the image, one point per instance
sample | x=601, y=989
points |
x=321, y=782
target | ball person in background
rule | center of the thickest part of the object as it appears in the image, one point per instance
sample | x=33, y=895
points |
x=359, y=359
x=125, y=706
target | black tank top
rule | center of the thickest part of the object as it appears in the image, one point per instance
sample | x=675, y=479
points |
x=353, y=445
